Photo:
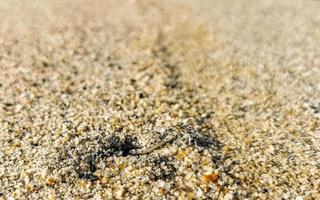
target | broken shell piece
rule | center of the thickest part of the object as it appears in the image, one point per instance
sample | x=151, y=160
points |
x=210, y=177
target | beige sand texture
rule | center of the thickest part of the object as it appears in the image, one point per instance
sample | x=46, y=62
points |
x=170, y=99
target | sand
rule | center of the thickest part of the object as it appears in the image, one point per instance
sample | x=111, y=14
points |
x=145, y=99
